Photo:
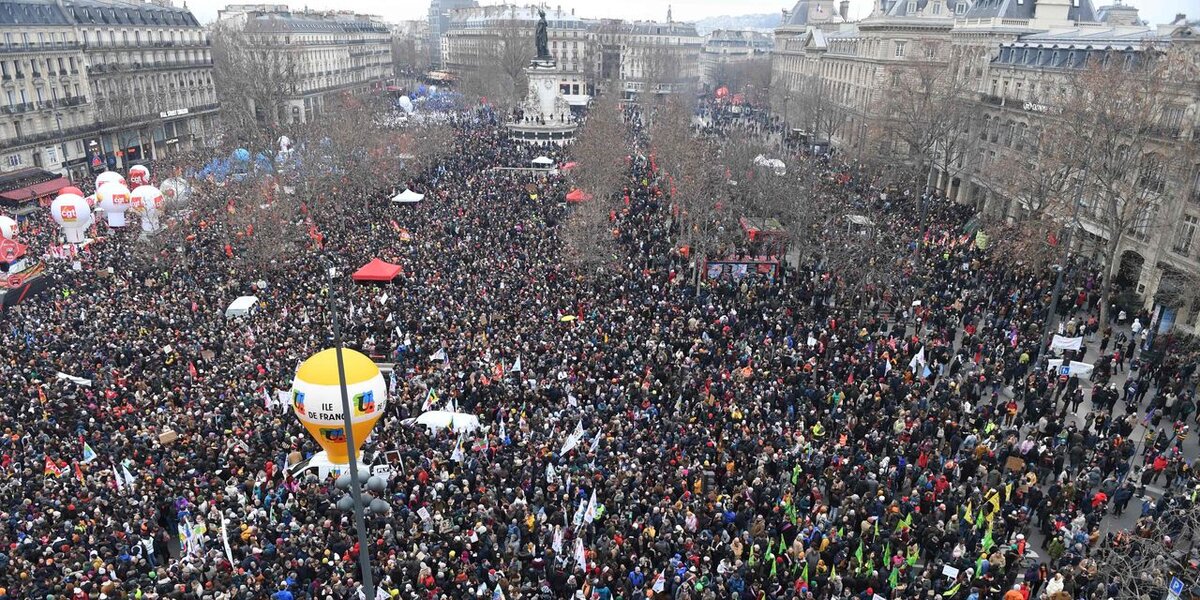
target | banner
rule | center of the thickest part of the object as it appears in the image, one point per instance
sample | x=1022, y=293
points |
x=1075, y=368
x=1065, y=343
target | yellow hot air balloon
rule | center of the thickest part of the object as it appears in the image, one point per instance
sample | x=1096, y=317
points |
x=317, y=399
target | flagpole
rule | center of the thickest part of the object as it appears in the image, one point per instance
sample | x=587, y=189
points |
x=364, y=559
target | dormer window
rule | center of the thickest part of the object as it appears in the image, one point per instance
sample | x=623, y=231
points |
x=960, y=8
x=912, y=7
x=937, y=8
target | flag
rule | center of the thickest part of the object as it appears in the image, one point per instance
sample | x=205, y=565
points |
x=79, y=474
x=266, y=399
x=914, y=554
x=859, y=553
x=52, y=469
x=516, y=366
x=117, y=479
x=919, y=359
x=832, y=572
x=994, y=500
x=753, y=560
x=558, y=540
x=904, y=523
x=580, y=555
x=225, y=539
x=894, y=578
x=192, y=370
x=660, y=583
x=988, y=542
x=549, y=472
x=952, y=591
x=88, y=454
x=503, y=434
x=430, y=399
x=128, y=478
x=967, y=512
x=439, y=356
x=579, y=512
x=392, y=382
x=497, y=594
x=457, y=454
x=804, y=573
x=589, y=514
x=573, y=439
x=595, y=444
x=782, y=545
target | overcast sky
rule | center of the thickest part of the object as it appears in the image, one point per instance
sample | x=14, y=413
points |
x=1156, y=11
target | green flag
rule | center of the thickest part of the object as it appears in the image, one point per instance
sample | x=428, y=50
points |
x=859, y=553
x=952, y=591
x=887, y=551
x=905, y=523
x=832, y=571
x=804, y=573
x=774, y=566
x=914, y=554
x=894, y=578
x=979, y=520
x=795, y=474
x=988, y=542
x=782, y=545
x=753, y=559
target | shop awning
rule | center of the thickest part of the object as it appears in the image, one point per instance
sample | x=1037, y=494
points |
x=377, y=270
x=30, y=193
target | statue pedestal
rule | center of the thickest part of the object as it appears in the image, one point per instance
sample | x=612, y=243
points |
x=547, y=116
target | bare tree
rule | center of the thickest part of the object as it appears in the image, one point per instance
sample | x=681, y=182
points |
x=1141, y=562
x=600, y=151
x=1122, y=118
x=131, y=103
x=256, y=80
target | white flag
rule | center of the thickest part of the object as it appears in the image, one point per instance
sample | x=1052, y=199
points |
x=558, y=540
x=660, y=583
x=392, y=383
x=128, y=478
x=595, y=443
x=503, y=434
x=266, y=399
x=580, y=555
x=812, y=341
x=589, y=514
x=550, y=472
x=919, y=359
x=225, y=539
x=457, y=455
x=573, y=439
x=117, y=478
x=439, y=356
x=516, y=366
x=579, y=513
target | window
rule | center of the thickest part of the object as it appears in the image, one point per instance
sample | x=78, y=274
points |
x=929, y=50
x=937, y=8
x=899, y=49
x=1184, y=232
x=960, y=8
x=912, y=7
x=14, y=160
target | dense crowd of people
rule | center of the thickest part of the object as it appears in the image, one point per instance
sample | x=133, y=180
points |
x=762, y=439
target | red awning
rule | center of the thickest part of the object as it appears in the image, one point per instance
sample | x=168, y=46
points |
x=377, y=270
x=578, y=195
x=33, y=192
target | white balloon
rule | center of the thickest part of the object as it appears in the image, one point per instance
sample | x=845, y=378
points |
x=108, y=177
x=8, y=227
x=148, y=201
x=114, y=199
x=139, y=175
x=72, y=214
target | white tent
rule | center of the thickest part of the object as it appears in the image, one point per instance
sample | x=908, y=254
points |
x=542, y=161
x=408, y=197
x=241, y=307
x=444, y=419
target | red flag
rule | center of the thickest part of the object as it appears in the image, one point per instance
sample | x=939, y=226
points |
x=52, y=469
x=79, y=473
x=192, y=369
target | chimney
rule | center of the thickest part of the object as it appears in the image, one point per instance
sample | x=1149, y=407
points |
x=844, y=10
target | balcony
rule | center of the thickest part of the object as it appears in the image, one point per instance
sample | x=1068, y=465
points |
x=39, y=48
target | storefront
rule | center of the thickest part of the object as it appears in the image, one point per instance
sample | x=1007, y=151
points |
x=21, y=192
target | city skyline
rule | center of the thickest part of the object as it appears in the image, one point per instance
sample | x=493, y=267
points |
x=1156, y=12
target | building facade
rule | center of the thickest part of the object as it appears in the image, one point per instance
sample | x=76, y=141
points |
x=488, y=38
x=1006, y=57
x=321, y=56
x=95, y=84
x=726, y=48
x=439, y=22
x=648, y=56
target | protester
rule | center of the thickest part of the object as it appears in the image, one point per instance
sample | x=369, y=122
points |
x=762, y=439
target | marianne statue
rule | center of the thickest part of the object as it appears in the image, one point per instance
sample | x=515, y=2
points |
x=543, y=50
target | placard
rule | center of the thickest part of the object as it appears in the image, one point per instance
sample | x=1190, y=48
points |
x=423, y=513
x=950, y=572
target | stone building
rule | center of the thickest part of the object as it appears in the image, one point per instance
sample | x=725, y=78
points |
x=724, y=49
x=322, y=54
x=649, y=56
x=95, y=84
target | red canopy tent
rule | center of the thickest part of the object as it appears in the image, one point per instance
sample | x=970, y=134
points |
x=578, y=195
x=377, y=270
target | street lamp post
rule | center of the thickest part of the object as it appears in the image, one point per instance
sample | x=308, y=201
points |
x=364, y=560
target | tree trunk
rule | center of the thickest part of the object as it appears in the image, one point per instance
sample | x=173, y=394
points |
x=1112, y=267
